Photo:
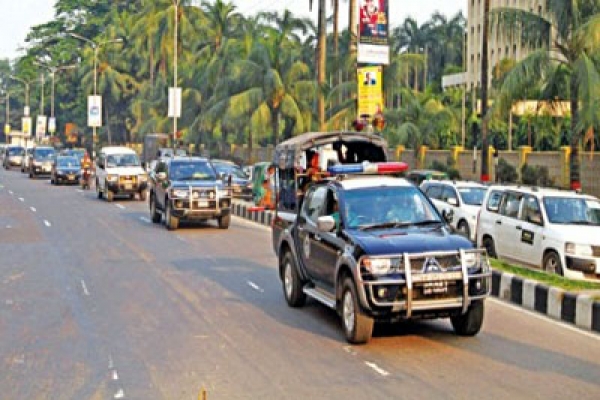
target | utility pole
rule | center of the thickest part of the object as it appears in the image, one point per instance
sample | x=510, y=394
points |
x=321, y=66
x=485, y=176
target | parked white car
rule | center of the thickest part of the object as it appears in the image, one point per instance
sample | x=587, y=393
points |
x=461, y=199
x=119, y=172
x=556, y=230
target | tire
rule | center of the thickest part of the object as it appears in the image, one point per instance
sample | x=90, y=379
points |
x=358, y=327
x=30, y=175
x=57, y=181
x=463, y=229
x=110, y=196
x=98, y=190
x=291, y=283
x=154, y=214
x=552, y=263
x=490, y=247
x=224, y=221
x=142, y=195
x=52, y=181
x=469, y=324
x=171, y=222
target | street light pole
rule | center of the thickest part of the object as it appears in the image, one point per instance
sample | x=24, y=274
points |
x=175, y=41
x=485, y=175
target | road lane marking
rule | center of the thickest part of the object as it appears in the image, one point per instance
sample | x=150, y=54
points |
x=120, y=394
x=181, y=239
x=48, y=224
x=544, y=317
x=115, y=375
x=21, y=199
x=255, y=287
x=377, y=369
x=145, y=219
x=121, y=206
x=8, y=226
x=32, y=209
x=79, y=190
x=111, y=364
x=10, y=192
x=85, y=289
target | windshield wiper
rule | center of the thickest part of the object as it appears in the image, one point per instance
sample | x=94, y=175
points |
x=427, y=222
x=383, y=225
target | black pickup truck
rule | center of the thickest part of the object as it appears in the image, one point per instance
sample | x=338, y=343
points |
x=373, y=247
x=188, y=188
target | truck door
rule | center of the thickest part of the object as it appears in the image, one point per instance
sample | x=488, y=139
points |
x=308, y=236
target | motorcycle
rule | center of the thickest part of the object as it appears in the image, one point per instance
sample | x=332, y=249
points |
x=86, y=174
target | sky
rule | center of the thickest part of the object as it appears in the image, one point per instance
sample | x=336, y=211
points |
x=17, y=17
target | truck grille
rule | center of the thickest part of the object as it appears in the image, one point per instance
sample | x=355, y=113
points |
x=123, y=179
x=422, y=265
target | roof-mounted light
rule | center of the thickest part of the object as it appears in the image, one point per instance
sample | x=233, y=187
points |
x=368, y=168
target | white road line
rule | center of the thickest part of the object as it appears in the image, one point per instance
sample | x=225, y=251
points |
x=255, y=286
x=85, y=289
x=32, y=209
x=21, y=199
x=120, y=394
x=547, y=319
x=8, y=226
x=146, y=220
x=121, y=206
x=375, y=368
x=79, y=190
x=115, y=376
x=111, y=364
x=10, y=192
x=181, y=239
x=48, y=224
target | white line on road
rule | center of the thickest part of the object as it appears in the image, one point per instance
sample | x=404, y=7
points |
x=85, y=289
x=48, y=224
x=10, y=192
x=111, y=364
x=32, y=209
x=255, y=286
x=375, y=368
x=547, y=319
x=120, y=394
x=79, y=190
x=8, y=226
x=21, y=199
x=115, y=376
x=146, y=220
x=121, y=206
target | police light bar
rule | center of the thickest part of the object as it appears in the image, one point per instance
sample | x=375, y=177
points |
x=368, y=168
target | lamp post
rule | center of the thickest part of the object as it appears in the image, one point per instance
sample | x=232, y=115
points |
x=175, y=98
x=27, y=84
x=96, y=47
x=53, y=71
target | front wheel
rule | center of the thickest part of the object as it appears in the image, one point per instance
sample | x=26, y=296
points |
x=154, y=214
x=358, y=327
x=464, y=230
x=98, y=190
x=489, y=246
x=171, y=221
x=292, y=285
x=469, y=324
x=552, y=263
x=224, y=221
x=110, y=196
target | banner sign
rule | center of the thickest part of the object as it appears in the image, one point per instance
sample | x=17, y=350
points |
x=373, y=32
x=40, y=127
x=94, y=111
x=26, y=126
x=52, y=125
x=370, y=91
x=175, y=102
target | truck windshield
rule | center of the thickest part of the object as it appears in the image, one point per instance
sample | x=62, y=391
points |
x=44, y=154
x=382, y=206
x=192, y=171
x=122, y=160
x=572, y=210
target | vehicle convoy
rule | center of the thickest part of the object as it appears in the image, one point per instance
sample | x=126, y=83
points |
x=555, y=230
x=41, y=161
x=368, y=244
x=119, y=173
x=188, y=188
x=240, y=183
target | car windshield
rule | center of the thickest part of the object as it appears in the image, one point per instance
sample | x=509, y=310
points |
x=572, y=210
x=387, y=206
x=230, y=169
x=122, y=160
x=68, y=162
x=192, y=171
x=15, y=151
x=472, y=196
x=44, y=154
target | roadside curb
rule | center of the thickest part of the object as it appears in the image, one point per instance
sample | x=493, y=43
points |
x=574, y=308
x=577, y=309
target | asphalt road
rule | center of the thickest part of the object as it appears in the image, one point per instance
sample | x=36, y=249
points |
x=96, y=302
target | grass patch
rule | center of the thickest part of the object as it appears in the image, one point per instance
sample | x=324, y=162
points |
x=542, y=277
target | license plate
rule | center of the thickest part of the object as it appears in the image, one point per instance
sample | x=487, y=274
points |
x=71, y=177
x=443, y=276
x=202, y=203
x=432, y=288
x=47, y=169
x=128, y=186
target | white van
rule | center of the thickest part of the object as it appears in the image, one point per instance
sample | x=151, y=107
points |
x=120, y=173
x=556, y=230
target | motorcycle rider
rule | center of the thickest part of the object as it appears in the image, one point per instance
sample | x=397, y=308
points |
x=86, y=167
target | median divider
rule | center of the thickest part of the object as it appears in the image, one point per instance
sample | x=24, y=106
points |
x=580, y=309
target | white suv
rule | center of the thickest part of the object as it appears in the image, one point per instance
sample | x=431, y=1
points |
x=119, y=172
x=460, y=199
x=556, y=230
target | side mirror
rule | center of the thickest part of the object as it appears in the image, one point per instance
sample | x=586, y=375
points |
x=453, y=201
x=161, y=176
x=448, y=216
x=325, y=223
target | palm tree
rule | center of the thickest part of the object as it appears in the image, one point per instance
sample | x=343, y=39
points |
x=567, y=33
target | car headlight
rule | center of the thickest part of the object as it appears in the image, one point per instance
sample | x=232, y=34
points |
x=381, y=266
x=180, y=193
x=37, y=164
x=112, y=178
x=223, y=193
x=471, y=259
x=578, y=249
x=143, y=177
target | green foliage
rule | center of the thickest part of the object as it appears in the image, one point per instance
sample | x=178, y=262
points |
x=505, y=172
x=448, y=167
x=536, y=176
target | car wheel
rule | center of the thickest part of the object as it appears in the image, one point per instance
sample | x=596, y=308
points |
x=469, y=324
x=154, y=214
x=224, y=221
x=552, y=263
x=142, y=195
x=488, y=244
x=292, y=285
x=358, y=327
x=110, y=196
x=463, y=229
x=57, y=181
x=52, y=181
x=98, y=190
x=30, y=175
x=171, y=221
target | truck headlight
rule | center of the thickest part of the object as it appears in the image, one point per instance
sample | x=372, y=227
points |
x=381, y=266
x=37, y=163
x=223, y=193
x=112, y=178
x=143, y=177
x=471, y=259
x=578, y=249
x=181, y=194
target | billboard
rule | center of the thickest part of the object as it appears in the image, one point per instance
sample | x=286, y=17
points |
x=370, y=91
x=94, y=111
x=40, y=127
x=373, y=32
x=26, y=126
